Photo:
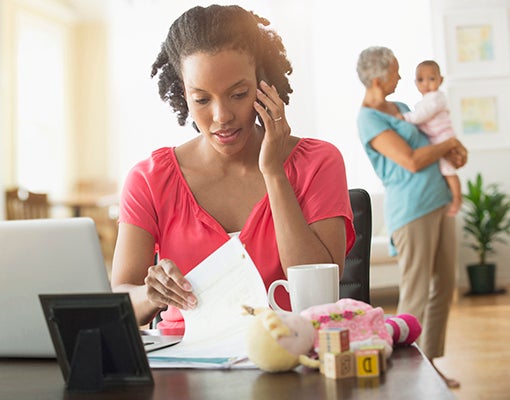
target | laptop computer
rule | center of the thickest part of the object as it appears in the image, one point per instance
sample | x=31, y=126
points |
x=45, y=256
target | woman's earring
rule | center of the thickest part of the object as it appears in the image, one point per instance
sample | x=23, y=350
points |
x=194, y=125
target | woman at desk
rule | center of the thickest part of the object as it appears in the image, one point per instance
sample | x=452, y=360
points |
x=286, y=197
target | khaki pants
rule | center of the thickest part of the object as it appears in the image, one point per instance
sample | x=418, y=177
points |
x=427, y=262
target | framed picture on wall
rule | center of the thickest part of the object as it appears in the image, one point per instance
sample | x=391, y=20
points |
x=479, y=111
x=477, y=43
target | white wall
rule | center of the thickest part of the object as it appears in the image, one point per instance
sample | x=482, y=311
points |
x=323, y=41
x=491, y=163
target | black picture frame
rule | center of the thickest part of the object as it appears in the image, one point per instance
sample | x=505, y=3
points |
x=97, y=340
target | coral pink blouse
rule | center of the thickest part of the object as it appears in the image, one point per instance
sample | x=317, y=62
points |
x=157, y=198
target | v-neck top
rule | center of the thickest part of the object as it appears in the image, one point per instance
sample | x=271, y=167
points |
x=157, y=198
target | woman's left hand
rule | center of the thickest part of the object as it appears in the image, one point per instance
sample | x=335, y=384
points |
x=273, y=148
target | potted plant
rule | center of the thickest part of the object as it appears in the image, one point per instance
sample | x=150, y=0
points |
x=485, y=220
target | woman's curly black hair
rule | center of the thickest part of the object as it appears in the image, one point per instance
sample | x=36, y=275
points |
x=213, y=29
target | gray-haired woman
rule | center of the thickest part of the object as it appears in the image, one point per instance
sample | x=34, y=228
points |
x=416, y=199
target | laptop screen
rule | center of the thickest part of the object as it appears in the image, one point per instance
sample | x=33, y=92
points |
x=61, y=255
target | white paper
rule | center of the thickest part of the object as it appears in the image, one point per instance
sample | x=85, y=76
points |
x=215, y=334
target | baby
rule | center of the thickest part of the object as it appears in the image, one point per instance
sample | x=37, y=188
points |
x=433, y=118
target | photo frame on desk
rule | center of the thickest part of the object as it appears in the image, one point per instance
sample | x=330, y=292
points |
x=96, y=339
x=479, y=111
x=476, y=43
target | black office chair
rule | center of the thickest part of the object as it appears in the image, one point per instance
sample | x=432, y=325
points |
x=355, y=281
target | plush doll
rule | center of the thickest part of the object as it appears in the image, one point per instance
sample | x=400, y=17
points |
x=280, y=341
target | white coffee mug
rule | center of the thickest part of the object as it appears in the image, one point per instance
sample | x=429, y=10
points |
x=308, y=285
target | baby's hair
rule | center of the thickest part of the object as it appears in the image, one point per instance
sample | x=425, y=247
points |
x=429, y=63
x=213, y=29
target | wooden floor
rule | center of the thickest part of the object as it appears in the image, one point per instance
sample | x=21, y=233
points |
x=478, y=345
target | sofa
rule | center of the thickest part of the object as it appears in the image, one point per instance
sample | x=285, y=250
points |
x=384, y=273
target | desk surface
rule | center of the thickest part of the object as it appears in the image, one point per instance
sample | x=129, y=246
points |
x=409, y=376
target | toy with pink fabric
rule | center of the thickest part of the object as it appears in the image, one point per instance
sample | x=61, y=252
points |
x=365, y=323
x=279, y=341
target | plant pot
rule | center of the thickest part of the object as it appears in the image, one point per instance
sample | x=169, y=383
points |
x=481, y=278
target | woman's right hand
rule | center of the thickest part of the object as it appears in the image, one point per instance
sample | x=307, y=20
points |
x=165, y=285
x=277, y=130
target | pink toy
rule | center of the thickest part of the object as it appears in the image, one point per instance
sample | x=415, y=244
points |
x=279, y=341
x=365, y=323
x=403, y=328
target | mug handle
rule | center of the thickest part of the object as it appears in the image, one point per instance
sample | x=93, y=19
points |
x=270, y=293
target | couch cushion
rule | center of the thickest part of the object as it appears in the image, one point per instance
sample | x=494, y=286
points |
x=378, y=226
x=379, y=252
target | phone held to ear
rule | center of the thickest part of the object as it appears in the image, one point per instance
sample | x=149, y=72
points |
x=261, y=76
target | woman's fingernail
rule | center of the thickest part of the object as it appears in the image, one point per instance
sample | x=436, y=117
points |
x=191, y=301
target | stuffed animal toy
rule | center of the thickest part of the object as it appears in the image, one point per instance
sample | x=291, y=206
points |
x=280, y=341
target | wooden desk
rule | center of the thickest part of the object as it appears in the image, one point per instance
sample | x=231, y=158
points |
x=409, y=376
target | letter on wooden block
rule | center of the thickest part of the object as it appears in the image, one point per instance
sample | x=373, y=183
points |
x=367, y=363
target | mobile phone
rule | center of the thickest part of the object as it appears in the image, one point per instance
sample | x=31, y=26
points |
x=261, y=76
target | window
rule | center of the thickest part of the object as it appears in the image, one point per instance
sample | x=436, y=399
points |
x=41, y=112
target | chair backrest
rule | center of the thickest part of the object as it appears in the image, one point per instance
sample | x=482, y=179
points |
x=355, y=282
x=23, y=204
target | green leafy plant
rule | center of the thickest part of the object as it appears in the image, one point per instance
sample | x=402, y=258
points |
x=485, y=216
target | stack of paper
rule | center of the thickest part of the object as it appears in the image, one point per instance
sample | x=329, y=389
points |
x=215, y=335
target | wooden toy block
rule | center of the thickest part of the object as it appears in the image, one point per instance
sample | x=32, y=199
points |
x=382, y=357
x=338, y=366
x=368, y=363
x=333, y=340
